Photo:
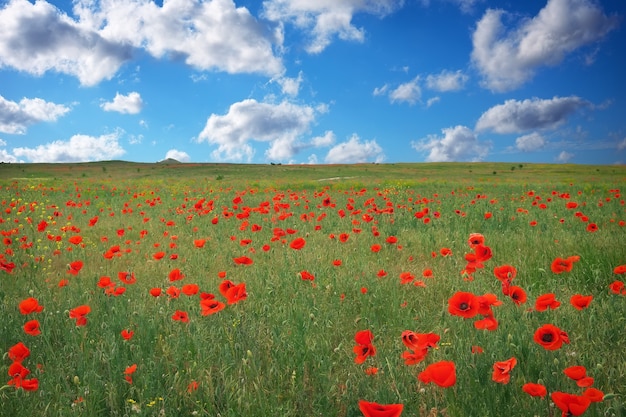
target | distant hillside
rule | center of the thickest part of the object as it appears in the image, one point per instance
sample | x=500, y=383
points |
x=169, y=161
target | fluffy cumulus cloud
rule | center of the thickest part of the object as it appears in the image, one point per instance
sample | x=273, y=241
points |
x=409, y=92
x=446, y=81
x=564, y=157
x=94, y=43
x=458, y=143
x=180, y=156
x=509, y=58
x=37, y=37
x=323, y=20
x=80, y=148
x=129, y=104
x=281, y=125
x=531, y=142
x=16, y=117
x=518, y=116
x=355, y=151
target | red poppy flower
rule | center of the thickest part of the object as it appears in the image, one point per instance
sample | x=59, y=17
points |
x=570, y=404
x=127, y=277
x=535, y=390
x=580, y=302
x=517, y=294
x=477, y=349
x=463, y=304
x=476, y=239
x=376, y=248
x=306, y=275
x=505, y=272
x=502, y=370
x=30, y=305
x=210, y=306
x=445, y=252
x=442, y=373
x=620, y=269
x=364, y=347
x=406, y=277
x=181, y=316
x=414, y=357
x=75, y=267
x=560, y=265
x=199, y=243
x=173, y=292
x=487, y=323
x=75, y=240
x=105, y=282
x=155, y=292
x=298, y=243
x=190, y=289
x=483, y=253
x=192, y=386
x=243, y=260
x=79, y=314
x=550, y=337
x=31, y=328
x=371, y=370
x=337, y=262
x=128, y=372
x=175, y=275
x=594, y=395
x=417, y=341
x=127, y=334
x=158, y=255
x=18, y=352
x=391, y=240
x=372, y=409
x=236, y=293
x=545, y=301
x=617, y=287
x=29, y=384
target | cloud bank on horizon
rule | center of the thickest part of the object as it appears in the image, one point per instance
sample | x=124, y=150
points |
x=312, y=81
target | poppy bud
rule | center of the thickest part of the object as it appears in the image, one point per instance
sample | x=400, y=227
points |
x=76, y=380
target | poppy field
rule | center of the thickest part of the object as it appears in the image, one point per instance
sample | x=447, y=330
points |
x=369, y=290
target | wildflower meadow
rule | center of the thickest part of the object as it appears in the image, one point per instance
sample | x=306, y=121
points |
x=357, y=290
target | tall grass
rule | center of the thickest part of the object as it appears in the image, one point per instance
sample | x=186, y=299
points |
x=287, y=349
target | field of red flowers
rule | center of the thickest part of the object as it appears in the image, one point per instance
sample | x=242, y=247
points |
x=174, y=296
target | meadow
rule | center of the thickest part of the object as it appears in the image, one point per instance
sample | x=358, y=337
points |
x=371, y=290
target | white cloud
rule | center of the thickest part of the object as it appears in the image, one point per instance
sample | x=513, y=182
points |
x=37, y=38
x=322, y=20
x=290, y=86
x=7, y=157
x=409, y=92
x=249, y=120
x=531, y=142
x=621, y=145
x=312, y=160
x=129, y=104
x=16, y=117
x=177, y=155
x=446, y=81
x=355, y=151
x=564, y=157
x=507, y=59
x=80, y=148
x=518, y=116
x=208, y=35
x=432, y=101
x=379, y=91
x=326, y=140
x=458, y=143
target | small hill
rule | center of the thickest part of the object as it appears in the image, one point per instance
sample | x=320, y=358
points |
x=169, y=161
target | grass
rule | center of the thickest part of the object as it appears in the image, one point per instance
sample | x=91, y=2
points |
x=287, y=349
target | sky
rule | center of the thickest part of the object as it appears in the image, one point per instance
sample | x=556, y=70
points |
x=313, y=81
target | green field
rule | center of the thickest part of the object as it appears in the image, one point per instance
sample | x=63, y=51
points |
x=385, y=248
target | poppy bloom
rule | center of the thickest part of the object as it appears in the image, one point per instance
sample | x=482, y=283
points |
x=517, y=294
x=505, y=272
x=127, y=277
x=199, y=243
x=476, y=239
x=364, y=347
x=391, y=240
x=580, y=302
x=190, y=289
x=30, y=305
x=372, y=409
x=128, y=372
x=233, y=293
x=127, y=334
x=210, y=306
x=192, y=386
x=175, y=275
x=594, y=395
x=487, y=323
x=560, y=265
x=463, y=304
x=570, y=404
x=477, y=349
x=620, y=269
x=75, y=240
x=445, y=252
x=535, y=390
x=579, y=374
x=31, y=328
x=75, y=267
x=173, y=292
x=306, y=275
x=442, y=373
x=502, y=370
x=181, y=316
x=337, y=262
x=298, y=243
x=79, y=314
x=376, y=248
x=18, y=352
x=550, y=337
x=155, y=292
x=545, y=301
x=592, y=227
x=243, y=260
x=617, y=287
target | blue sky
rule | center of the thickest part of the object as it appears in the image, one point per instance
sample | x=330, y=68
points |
x=313, y=81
